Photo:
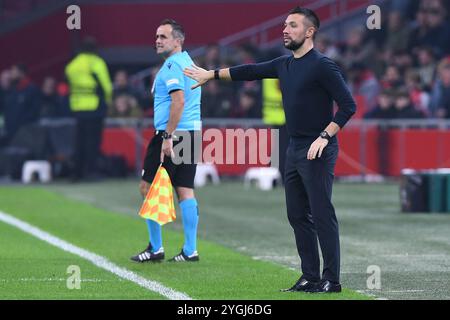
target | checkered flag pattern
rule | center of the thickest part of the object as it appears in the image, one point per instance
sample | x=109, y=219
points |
x=158, y=204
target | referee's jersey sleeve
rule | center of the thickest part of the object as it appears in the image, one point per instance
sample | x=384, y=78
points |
x=173, y=77
x=255, y=71
x=331, y=78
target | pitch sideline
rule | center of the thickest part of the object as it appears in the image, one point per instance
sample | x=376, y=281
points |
x=95, y=259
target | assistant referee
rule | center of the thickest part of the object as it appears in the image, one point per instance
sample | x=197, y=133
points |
x=309, y=82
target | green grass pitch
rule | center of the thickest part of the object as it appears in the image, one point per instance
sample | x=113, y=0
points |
x=246, y=245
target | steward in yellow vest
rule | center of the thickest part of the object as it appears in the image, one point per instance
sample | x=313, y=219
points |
x=273, y=116
x=90, y=92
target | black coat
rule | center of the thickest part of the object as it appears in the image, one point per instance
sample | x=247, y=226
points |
x=408, y=113
x=21, y=107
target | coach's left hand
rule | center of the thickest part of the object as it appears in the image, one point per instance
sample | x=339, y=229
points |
x=316, y=148
x=167, y=149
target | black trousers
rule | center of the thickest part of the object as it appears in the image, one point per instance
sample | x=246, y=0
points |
x=283, y=141
x=87, y=148
x=308, y=187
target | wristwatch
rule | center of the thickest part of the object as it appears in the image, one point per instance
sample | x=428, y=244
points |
x=325, y=135
x=166, y=135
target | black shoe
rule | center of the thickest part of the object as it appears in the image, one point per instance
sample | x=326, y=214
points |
x=326, y=286
x=301, y=285
x=181, y=257
x=147, y=255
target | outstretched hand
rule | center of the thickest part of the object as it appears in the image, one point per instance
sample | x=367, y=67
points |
x=198, y=74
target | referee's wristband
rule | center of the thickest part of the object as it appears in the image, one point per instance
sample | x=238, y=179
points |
x=216, y=74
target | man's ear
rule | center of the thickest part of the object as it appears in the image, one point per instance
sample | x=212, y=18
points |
x=310, y=32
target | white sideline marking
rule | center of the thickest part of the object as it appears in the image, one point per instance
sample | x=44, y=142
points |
x=55, y=280
x=95, y=259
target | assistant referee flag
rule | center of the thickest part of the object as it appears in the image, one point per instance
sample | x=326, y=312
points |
x=158, y=204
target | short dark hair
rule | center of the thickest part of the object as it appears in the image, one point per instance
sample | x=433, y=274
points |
x=88, y=44
x=309, y=14
x=177, y=29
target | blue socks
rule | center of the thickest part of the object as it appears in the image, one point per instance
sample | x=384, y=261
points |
x=154, y=230
x=189, y=212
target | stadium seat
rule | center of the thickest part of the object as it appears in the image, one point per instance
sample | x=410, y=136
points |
x=265, y=177
x=41, y=168
x=205, y=171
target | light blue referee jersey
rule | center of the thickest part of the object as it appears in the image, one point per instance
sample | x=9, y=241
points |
x=169, y=78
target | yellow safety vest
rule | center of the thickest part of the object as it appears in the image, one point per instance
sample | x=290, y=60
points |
x=83, y=85
x=273, y=112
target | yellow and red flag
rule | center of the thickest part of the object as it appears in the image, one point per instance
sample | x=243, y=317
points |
x=158, y=204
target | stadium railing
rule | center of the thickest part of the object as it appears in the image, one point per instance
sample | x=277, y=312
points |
x=368, y=148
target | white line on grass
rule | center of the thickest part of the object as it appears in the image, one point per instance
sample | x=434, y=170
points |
x=97, y=260
x=56, y=280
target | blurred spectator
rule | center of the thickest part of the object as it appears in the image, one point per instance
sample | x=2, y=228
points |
x=392, y=78
x=63, y=89
x=403, y=60
x=21, y=101
x=90, y=94
x=419, y=97
x=246, y=54
x=380, y=61
x=125, y=100
x=419, y=30
x=363, y=82
x=404, y=109
x=441, y=92
x=358, y=49
x=211, y=60
x=407, y=7
x=324, y=44
x=397, y=32
x=216, y=100
x=439, y=31
x=153, y=72
x=249, y=106
x=426, y=66
x=384, y=108
x=51, y=103
x=5, y=83
x=435, y=30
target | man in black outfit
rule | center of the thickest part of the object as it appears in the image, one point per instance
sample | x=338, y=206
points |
x=309, y=82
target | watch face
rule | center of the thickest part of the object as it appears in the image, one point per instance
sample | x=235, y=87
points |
x=324, y=135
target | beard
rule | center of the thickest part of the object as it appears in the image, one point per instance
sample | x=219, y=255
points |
x=295, y=45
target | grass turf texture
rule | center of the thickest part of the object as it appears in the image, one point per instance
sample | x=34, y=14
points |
x=30, y=266
x=32, y=269
x=412, y=250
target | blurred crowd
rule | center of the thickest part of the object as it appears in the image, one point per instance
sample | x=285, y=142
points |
x=401, y=71
x=398, y=72
x=24, y=102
